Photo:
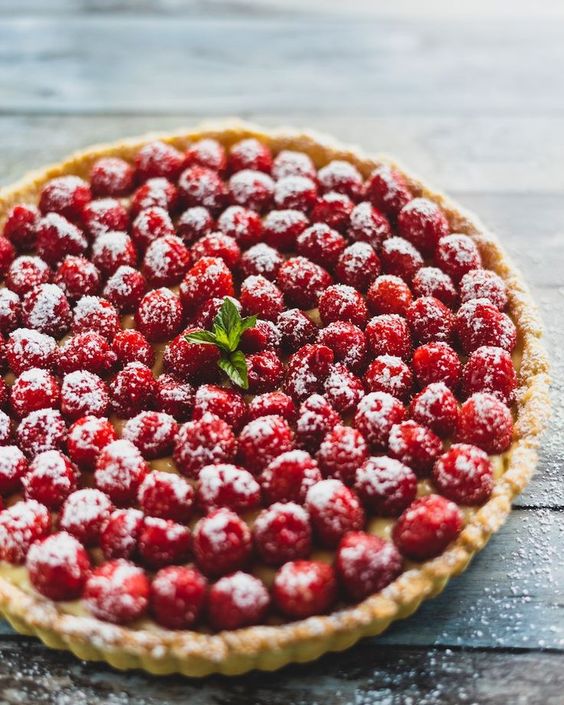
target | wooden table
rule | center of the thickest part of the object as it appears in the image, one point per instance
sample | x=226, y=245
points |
x=473, y=100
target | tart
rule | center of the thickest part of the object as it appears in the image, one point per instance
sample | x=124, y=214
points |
x=262, y=395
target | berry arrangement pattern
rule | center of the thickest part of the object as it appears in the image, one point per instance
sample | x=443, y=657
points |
x=261, y=395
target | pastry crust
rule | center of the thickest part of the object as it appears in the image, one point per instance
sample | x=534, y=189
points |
x=270, y=647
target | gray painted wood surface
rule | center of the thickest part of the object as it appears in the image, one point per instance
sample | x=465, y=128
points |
x=469, y=96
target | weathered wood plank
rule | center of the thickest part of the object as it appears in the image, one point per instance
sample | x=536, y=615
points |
x=379, y=67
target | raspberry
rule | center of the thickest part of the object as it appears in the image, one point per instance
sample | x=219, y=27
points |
x=200, y=186
x=111, y=250
x=479, y=323
x=120, y=469
x=84, y=514
x=34, y=389
x=365, y=564
x=165, y=261
x=251, y=189
x=276, y=403
x=158, y=192
x=46, y=309
x=400, y=258
x=163, y=542
x=65, y=195
x=237, y=600
x=203, y=442
x=206, y=152
x=431, y=281
x=174, y=398
x=242, y=225
x=436, y=407
x=150, y=225
x=159, y=316
x=194, y=223
x=21, y=225
x=158, y=159
x=341, y=177
x=219, y=246
x=28, y=348
x=490, y=369
x=296, y=329
x=208, y=278
x=436, y=362
x=132, y=346
x=415, y=445
x=206, y=313
x=281, y=228
x=178, y=597
x=342, y=451
x=86, y=351
x=265, y=371
x=456, y=255
x=227, y=486
x=430, y=320
x=5, y=429
x=40, y=431
x=10, y=311
x=58, y=566
x=261, y=259
x=385, y=485
x=183, y=359
x=307, y=370
x=342, y=389
x=483, y=284
x=342, y=303
x=57, y=238
x=426, y=527
x=132, y=390
x=422, y=223
x=25, y=273
x=369, y=225
x=262, y=440
x=334, y=510
x=221, y=542
x=261, y=297
x=120, y=536
x=95, y=313
x=464, y=474
x=376, y=413
x=262, y=336
x=282, y=533
x=288, y=477
x=117, y=592
x=225, y=403
x=389, y=374
x=77, y=277
x=347, y=342
x=302, y=282
x=83, y=393
x=304, y=588
x=20, y=526
x=389, y=334
x=111, y=176
x=153, y=432
x=87, y=437
x=13, y=466
x=167, y=496
x=388, y=294
x=321, y=244
x=486, y=422
x=107, y=214
x=125, y=288
x=291, y=163
x=358, y=266
x=333, y=209
x=249, y=153
x=7, y=254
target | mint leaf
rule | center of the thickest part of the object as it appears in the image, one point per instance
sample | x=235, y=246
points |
x=235, y=367
x=227, y=325
x=201, y=336
x=248, y=322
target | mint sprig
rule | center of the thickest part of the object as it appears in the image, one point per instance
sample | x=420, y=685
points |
x=226, y=332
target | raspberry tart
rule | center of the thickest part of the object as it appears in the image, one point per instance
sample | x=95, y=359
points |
x=261, y=395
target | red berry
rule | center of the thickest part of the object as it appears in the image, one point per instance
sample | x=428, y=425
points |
x=333, y=209
x=150, y=225
x=276, y=403
x=221, y=542
x=132, y=390
x=342, y=303
x=415, y=445
x=389, y=374
x=111, y=176
x=342, y=389
x=25, y=273
x=178, y=597
x=261, y=259
x=85, y=514
x=265, y=371
x=65, y=195
x=334, y=510
x=58, y=566
x=307, y=370
x=304, y=588
x=436, y=407
x=426, y=527
x=436, y=362
x=40, y=431
x=237, y=600
x=51, y=478
x=167, y=496
x=117, y=592
x=28, y=348
x=251, y=189
x=302, y=282
x=208, y=278
x=249, y=153
x=21, y=225
x=385, y=485
x=242, y=225
x=342, y=451
x=490, y=369
x=46, y=309
x=163, y=542
x=321, y=244
x=125, y=288
x=10, y=311
x=111, y=250
x=229, y=486
x=365, y=564
x=174, y=398
x=389, y=334
x=342, y=177
x=464, y=474
x=86, y=351
x=203, y=442
x=261, y=297
x=288, y=477
x=479, y=322
x=282, y=533
x=155, y=193
x=291, y=163
x=422, y=223
x=132, y=346
x=153, y=432
x=358, y=266
x=120, y=536
x=206, y=152
x=347, y=342
x=184, y=359
x=21, y=525
x=225, y=403
x=219, y=246
x=376, y=413
x=400, y=258
x=486, y=422
x=367, y=224
x=431, y=281
x=57, y=238
x=101, y=216
x=5, y=430
x=165, y=261
x=296, y=329
x=206, y=313
x=388, y=294
x=281, y=228
x=157, y=159
x=87, y=437
x=120, y=469
x=430, y=320
x=83, y=393
x=457, y=254
x=262, y=440
x=483, y=284
x=159, y=316
x=262, y=336
x=194, y=223
x=13, y=466
x=95, y=313
x=77, y=277
x=34, y=389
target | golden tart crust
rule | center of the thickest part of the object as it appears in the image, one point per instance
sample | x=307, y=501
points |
x=160, y=651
